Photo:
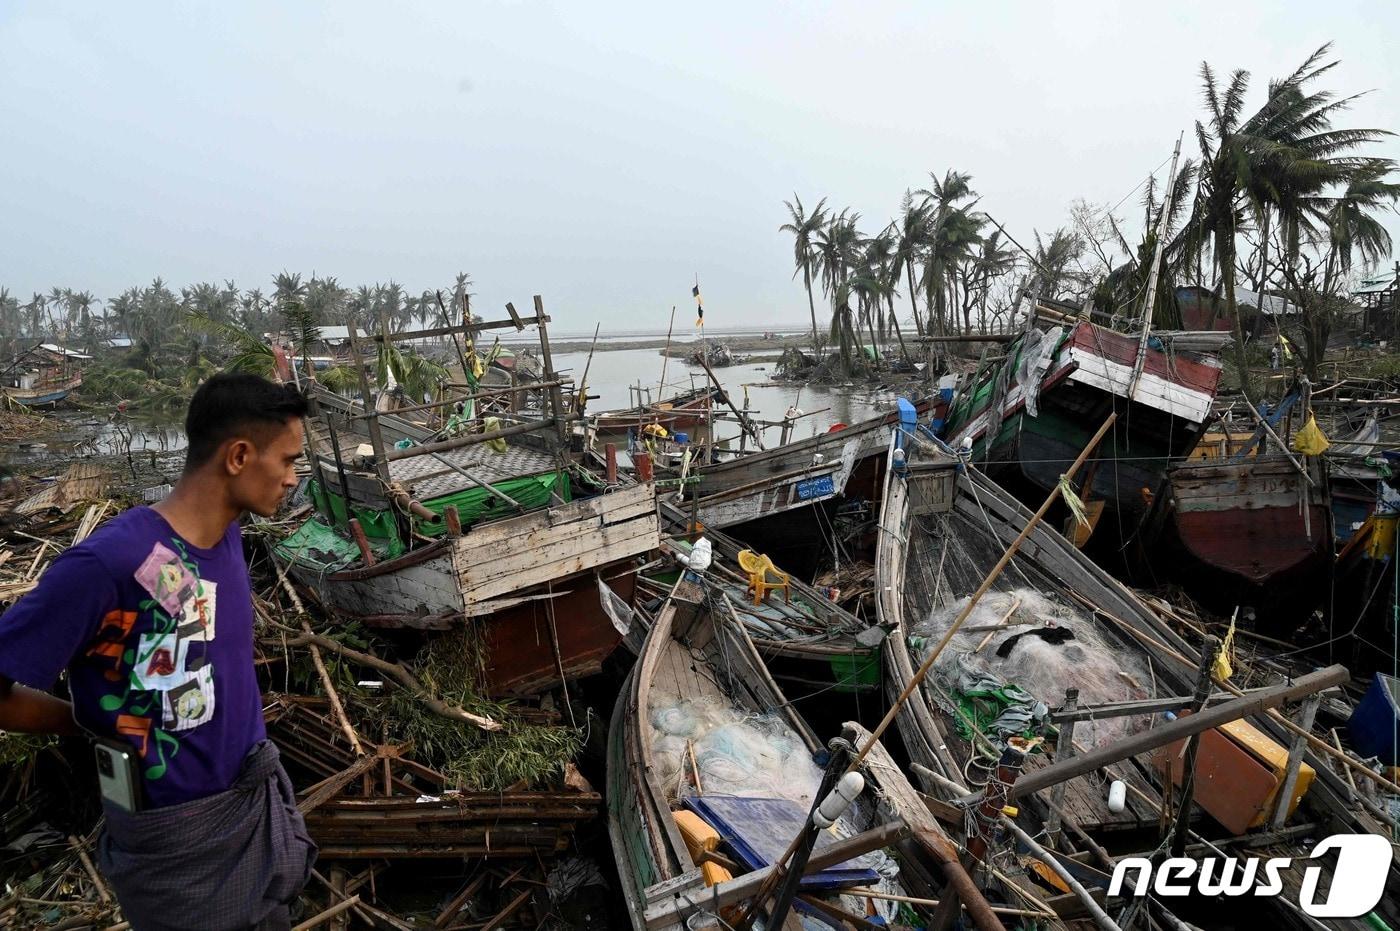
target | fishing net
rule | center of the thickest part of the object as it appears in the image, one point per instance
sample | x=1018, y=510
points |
x=1021, y=647
x=736, y=753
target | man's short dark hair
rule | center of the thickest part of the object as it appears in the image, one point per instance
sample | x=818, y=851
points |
x=230, y=405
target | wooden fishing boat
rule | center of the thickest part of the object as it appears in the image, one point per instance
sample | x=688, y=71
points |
x=43, y=375
x=936, y=549
x=1244, y=523
x=1253, y=530
x=781, y=500
x=494, y=528
x=1026, y=417
x=808, y=643
x=942, y=529
x=697, y=655
x=687, y=412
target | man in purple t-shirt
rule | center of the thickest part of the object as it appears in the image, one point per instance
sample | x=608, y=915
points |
x=152, y=618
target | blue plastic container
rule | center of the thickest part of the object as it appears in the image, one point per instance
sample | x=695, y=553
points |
x=681, y=438
x=1375, y=724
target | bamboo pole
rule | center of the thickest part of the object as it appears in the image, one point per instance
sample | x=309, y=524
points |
x=317, y=920
x=331, y=694
x=934, y=903
x=666, y=355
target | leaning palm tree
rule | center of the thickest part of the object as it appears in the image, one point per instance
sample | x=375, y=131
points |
x=803, y=228
x=1352, y=228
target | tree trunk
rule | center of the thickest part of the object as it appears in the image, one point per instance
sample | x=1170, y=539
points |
x=1263, y=283
x=870, y=325
x=811, y=306
x=913, y=305
x=1226, y=259
x=899, y=334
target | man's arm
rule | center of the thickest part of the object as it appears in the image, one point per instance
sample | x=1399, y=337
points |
x=28, y=711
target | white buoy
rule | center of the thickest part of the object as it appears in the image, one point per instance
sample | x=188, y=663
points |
x=847, y=789
x=1117, y=796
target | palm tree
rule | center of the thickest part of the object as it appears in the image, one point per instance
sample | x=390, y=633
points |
x=803, y=227
x=913, y=237
x=1273, y=162
x=287, y=288
x=10, y=321
x=1352, y=229
x=325, y=300
x=35, y=312
x=952, y=231
x=837, y=246
x=461, y=297
x=977, y=273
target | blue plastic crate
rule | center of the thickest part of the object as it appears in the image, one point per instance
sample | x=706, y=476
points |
x=759, y=830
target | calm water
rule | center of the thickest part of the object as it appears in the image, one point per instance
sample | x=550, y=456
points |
x=610, y=376
x=86, y=435
x=612, y=373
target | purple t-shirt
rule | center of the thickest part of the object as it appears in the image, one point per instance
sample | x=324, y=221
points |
x=157, y=638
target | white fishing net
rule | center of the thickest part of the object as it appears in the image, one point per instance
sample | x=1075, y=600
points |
x=736, y=753
x=1040, y=657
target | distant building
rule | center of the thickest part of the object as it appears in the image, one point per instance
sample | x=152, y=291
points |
x=1202, y=309
x=1379, y=295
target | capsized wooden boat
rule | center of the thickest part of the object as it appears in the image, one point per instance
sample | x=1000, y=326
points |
x=698, y=656
x=808, y=642
x=1027, y=417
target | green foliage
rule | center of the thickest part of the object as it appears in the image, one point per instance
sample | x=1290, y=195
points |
x=18, y=749
x=451, y=665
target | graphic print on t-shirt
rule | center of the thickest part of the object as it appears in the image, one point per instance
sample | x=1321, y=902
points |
x=169, y=684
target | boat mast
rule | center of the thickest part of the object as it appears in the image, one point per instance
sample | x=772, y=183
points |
x=1150, y=300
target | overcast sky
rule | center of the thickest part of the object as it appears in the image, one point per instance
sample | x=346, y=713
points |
x=601, y=155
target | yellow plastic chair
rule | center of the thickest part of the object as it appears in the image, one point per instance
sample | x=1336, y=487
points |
x=760, y=569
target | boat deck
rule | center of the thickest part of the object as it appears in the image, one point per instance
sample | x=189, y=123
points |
x=429, y=477
x=679, y=675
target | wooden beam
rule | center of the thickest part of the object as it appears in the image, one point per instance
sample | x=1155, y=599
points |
x=1295, y=762
x=519, y=323
x=970, y=338
x=328, y=788
x=1164, y=734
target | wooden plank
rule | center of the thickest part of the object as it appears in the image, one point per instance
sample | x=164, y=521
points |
x=517, y=323
x=478, y=563
x=608, y=544
x=328, y=788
